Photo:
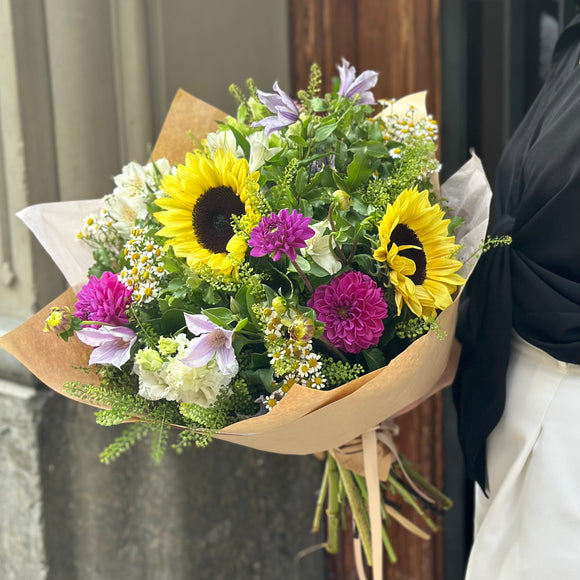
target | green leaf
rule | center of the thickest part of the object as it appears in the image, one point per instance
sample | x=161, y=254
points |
x=359, y=170
x=262, y=377
x=241, y=140
x=372, y=149
x=319, y=105
x=367, y=264
x=375, y=131
x=219, y=315
x=301, y=180
x=339, y=181
x=455, y=222
x=340, y=155
x=324, y=132
x=317, y=271
x=169, y=321
x=374, y=358
x=242, y=113
x=303, y=263
x=298, y=139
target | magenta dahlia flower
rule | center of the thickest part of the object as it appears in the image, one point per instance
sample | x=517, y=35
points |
x=281, y=233
x=353, y=308
x=104, y=299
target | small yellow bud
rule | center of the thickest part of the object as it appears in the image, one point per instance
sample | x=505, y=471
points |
x=59, y=320
x=342, y=199
x=279, y=305
x=302, y=329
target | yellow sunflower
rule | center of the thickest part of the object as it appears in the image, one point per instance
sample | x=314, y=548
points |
x=414, y=242
x=201, y=199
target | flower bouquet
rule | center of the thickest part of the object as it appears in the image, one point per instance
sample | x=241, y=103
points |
x=283, y=279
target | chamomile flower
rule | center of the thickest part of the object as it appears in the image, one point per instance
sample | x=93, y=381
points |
x=144, y=270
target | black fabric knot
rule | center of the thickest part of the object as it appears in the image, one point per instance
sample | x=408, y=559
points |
x=503, y=226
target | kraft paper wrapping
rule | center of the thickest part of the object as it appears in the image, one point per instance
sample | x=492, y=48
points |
x=189, y=119
x=306, y=420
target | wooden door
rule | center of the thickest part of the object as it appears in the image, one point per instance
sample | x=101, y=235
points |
x=401, y=40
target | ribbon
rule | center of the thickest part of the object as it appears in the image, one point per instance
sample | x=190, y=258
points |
x=351, y=456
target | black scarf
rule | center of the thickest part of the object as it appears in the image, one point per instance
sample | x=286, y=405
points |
x=533, y=285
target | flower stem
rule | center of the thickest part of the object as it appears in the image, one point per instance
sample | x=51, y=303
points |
x=361, y=481
x=321, y=499
x=389, y=547
x=332, y=511
x=400, y=489
x=342, y=504
x=358, y=510
x=303, y=276
x=440, y=498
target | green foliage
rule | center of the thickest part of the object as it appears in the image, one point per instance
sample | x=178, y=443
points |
x=130, y=436
x=202, y=423
x=414, y=328
x=489, y=243
x=339, y=372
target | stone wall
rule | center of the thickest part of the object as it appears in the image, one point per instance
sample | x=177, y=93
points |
x=220, y=512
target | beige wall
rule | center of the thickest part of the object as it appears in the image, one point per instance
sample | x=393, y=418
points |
x=85, y=87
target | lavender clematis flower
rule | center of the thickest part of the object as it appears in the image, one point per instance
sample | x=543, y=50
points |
x=112, y=344
x=211, y=340
x=351, y=85
x=284, y=109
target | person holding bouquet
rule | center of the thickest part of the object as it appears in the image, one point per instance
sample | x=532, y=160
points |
x=516, y=362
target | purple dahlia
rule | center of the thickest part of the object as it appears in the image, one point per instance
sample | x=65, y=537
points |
x=104, y=300
x=353, y=308
x=281, y=233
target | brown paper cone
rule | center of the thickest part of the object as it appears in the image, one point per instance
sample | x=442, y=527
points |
x=50, y=359
x=189, y=118
x=305, y=421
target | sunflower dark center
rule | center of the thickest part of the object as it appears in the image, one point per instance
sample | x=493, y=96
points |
x=403, y=235
x=211, y=217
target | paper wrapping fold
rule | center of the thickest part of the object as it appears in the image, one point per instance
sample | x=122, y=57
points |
x=306, y=420
x=189, y=119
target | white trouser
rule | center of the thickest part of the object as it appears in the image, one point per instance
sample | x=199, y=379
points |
x=529, y=527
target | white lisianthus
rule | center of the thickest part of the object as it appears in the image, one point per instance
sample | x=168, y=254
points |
x=226, y=141
x=174, y=381
x=318, y=247
x=260, y=152
x=194, y=385
x=152, y=386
